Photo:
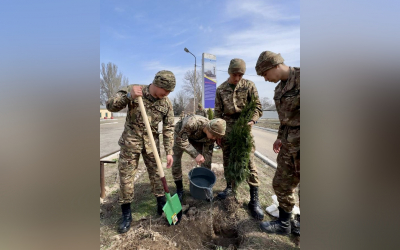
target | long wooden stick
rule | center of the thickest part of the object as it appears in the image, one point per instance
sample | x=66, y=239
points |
x=153, y=144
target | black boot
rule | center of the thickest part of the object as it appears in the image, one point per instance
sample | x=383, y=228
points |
x=254, y=205
x=280, y=226
x=160, y=204
x=228, y=191
x=179, y=189
x=126, y=218
x=295, y=225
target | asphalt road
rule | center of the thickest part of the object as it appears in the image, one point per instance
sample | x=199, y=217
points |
x=111, y=130
x=264, y=140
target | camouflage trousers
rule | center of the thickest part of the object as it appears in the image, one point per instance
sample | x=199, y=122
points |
x=253, y=179
x=287, y=177
x=127, y=167
x=204, y=147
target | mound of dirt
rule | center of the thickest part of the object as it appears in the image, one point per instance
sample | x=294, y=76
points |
x=142, y=238
x=220, y=224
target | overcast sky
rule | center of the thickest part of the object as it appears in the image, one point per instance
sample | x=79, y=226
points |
x=142, y=37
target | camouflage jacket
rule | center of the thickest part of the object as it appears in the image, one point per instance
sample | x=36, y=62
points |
x=229, y=103
x=135, y=135
x=191, y=128
x=287, y=102
x=202, y=112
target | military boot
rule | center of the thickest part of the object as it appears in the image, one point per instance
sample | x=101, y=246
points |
x=228, y=191
x=280, y=226
x=160, y=204
x=179, y=189
x=254, y=205
x=295, y=225
x=126, y=218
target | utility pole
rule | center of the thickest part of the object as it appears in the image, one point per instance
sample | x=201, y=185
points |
x=194, y=84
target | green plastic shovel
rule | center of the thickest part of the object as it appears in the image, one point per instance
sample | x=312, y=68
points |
x=173, y=207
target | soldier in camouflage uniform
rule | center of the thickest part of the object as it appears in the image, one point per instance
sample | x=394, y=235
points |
x=201, y=111
x=195, y=135
x=287, y=101
x=230, y=99
x=182, y=115
x=135, y=141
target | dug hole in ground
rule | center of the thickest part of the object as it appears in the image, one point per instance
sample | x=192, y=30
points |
x=225, y=224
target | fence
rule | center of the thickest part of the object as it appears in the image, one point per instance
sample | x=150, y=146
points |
x=117, y=114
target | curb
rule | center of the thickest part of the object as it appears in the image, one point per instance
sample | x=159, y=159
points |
x=111, y=157
x=268, y=129
x=256, y=153
x=265, y=159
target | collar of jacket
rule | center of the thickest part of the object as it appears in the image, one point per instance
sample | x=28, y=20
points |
x=238, y=85
x=147, y=95
x=290, y=83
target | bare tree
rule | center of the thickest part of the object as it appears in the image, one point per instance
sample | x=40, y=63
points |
x=192, y=88
x=180, y=102
x=265, y=103
x=110, y=81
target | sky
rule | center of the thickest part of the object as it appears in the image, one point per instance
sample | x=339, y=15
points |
x=143, y=37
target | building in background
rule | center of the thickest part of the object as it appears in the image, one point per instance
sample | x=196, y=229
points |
x=104, y=112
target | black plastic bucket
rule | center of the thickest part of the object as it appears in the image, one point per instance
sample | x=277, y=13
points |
x=201, y=182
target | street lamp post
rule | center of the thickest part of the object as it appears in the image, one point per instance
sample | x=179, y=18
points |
x=194, y=84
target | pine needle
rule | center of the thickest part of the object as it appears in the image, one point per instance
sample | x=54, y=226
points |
x=241, y=144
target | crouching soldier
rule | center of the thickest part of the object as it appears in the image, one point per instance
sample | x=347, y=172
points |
x=135, y=140
x=201, y=111
x=196, y=136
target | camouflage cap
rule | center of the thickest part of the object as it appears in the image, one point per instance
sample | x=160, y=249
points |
x=237, y=66
x=267, y=60
x=217, y=127
x=165, y=79
x=199, y=105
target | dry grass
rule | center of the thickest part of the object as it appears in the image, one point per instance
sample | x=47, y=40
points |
x=268, y=123
x=231, y=227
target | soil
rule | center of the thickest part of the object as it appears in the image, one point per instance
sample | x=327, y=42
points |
x=220, y=224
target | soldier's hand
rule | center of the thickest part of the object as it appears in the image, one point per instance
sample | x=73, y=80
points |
x=219, y=142
x=136, y=91
x=277, y=146
x=170, y=160
x=250, y=123
x=200, y=159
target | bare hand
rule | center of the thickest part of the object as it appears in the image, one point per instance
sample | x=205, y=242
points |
x=277, y=146
x=136, y=91
x=219, y=142
x=170, y=160
x=250, y=123
x=200, y=159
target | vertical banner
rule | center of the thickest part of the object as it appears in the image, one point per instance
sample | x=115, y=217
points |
x=209, y=63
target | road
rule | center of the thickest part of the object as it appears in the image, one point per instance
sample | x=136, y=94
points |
x=264, y=140
x=111, y=130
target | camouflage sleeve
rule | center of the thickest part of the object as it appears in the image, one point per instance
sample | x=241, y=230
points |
x=280, y=132
x=218, y=106
x=118, y=101
x=168, y=130
x=258, y=112
x=182, y=140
